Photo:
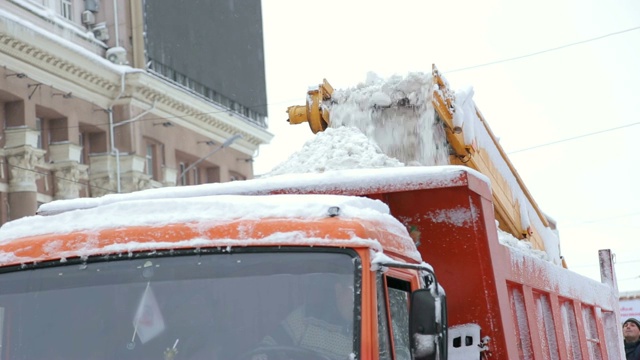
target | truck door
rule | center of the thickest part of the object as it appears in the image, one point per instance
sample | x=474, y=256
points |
x=394, y=290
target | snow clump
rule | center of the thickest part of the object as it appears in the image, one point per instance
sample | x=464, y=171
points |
x=335, y=149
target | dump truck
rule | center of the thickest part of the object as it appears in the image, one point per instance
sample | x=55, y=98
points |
x=405, y=262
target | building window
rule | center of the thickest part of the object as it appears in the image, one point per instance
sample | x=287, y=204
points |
x=44, y=136
x=183, y=176
x=212, y=175
x=196, y=176
x=92, y=142
x=81, y=141
x=39, y=130
x=65, y=9
x=150, y=157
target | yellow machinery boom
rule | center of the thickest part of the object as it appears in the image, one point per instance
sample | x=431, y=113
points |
x=313, y=112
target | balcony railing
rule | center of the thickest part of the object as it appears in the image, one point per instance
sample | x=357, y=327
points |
x=207, y=93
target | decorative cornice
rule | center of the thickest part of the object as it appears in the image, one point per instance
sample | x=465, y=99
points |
x=60, y=62
x=191, y=111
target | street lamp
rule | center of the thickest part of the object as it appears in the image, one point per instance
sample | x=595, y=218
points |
x=225, y=144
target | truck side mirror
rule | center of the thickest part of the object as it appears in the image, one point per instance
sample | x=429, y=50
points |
x=427, y=328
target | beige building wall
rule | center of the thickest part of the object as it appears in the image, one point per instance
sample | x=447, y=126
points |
x=76, y=124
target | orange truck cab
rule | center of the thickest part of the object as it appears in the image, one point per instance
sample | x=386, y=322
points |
x=394, y=263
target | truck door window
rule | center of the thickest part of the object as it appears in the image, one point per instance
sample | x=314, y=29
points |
x=384, y=345
x=398, y=293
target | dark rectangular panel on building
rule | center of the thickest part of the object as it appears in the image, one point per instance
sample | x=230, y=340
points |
x=213, y=47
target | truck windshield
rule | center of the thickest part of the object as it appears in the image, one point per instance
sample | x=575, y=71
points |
x=239, y=305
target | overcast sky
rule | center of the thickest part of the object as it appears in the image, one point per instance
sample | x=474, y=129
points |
x=568, y=117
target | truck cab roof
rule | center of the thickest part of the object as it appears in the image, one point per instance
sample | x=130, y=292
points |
x=144, y=224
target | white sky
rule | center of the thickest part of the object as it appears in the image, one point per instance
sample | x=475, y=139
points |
x=586, y=184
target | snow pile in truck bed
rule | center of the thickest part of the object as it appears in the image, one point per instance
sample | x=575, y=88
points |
x=336, y=149
x=369, y=129
x=397, y=114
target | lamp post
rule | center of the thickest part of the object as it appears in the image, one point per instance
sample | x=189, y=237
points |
x=225, y=144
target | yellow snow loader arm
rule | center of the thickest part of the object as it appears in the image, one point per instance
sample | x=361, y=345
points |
x=443, y=103
x=313, y=112
x=318, y=116
x=506, y=202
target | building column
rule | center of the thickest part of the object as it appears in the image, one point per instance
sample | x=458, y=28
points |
x=68, y=179
x=23, y=189
x=169, y=176
x=67, y=170
x=132, y=176
x=104, y=172
x=224, y=173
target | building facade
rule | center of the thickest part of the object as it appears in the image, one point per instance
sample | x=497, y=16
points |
x=96, y=99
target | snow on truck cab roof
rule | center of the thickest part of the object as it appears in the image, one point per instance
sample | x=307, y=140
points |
x=221, y=221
